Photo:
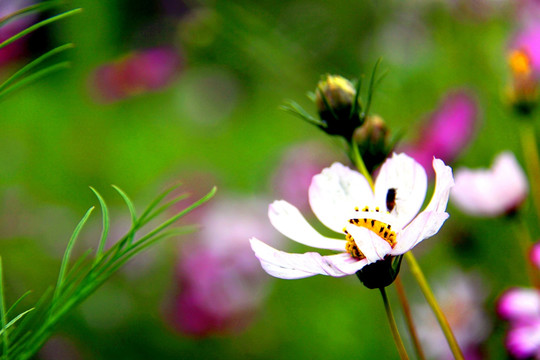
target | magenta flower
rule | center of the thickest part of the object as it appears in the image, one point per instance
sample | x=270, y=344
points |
x=528, y=42
x=534, y=255
x=374, y=225
x=220, y=283
x=492, y=192
x=521, y=308
x=461, y=297
x=447, y=131
x=137, y=73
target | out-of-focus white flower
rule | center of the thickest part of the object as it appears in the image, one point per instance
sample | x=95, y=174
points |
x=521, y=307
x=461, y=297
x=377, y=224
x=491, y=192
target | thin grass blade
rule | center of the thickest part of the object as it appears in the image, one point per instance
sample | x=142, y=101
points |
x=18, y=301
x=33, y=64
x=106, y=221
x=38, y=25
x=67, y=254
x=17, y=318
x=35, y=76
x=371, y=86
x=45, y=5
x=157, y=200
x=5, y=340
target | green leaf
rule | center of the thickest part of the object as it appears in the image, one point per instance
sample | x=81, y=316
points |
x=45, y=5
x=33, y=64
x=67, y=253
x=17, y=318
x=38, y=25
x=157, y=200
x=35, y=76
x=105, y=230
x=3, y=312
x=18, y=301
x=129, y=204
x=295, y=109
x=371, y=87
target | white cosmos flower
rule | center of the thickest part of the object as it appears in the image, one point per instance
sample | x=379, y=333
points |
x=491, y=192
x=375, y=224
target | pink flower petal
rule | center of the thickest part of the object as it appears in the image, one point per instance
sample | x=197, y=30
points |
x=519, y=304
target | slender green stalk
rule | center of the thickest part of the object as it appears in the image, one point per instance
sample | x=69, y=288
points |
x=392, y=322
x=525, y=240
x=39, y=25
x=532, y=162
x=3, y=318
x=408, y=318
x=359, y=163
x=430, y=298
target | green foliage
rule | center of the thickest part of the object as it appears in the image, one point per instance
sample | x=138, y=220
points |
x=75, y=284
x=23, y=76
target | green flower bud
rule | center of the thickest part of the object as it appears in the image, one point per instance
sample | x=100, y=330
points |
x=381, y=273
x=335, y=100
x=373, y=139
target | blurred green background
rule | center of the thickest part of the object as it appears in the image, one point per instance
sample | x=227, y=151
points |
x=219, y=115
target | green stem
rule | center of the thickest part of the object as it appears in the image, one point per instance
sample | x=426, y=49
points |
x=525, y=241
x=430, y=298
x=408, y=318
x=359, y=163
x=392, y=322
x=532, y=162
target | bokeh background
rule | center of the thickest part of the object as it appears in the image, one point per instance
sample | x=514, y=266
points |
x=166, y=91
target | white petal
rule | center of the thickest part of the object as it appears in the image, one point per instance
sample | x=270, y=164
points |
x=491, y=192
x=335, y=192
x=370, y=244
x=295, y=266
x=409, y=179
x=287, y=220
x=425, y=225
x=444, y=181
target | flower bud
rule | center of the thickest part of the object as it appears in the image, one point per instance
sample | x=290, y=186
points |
x=381, y=273
x=373, y=139
x=335, y=100
x=523, y=91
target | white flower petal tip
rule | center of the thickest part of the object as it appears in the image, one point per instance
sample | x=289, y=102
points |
x=296, y=266
x=491, y=192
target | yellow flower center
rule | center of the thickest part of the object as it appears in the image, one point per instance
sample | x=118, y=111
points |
x=383, y=230
x=520, y=63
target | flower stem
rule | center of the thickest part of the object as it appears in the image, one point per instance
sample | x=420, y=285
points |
x=395, y=333
x=525, y=241
x=428, y=294
x=359, y=163
x=408, y=317
x=532, y=162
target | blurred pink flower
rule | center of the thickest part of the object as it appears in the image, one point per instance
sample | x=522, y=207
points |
x=461, y=297
x=17, y=48
x=136, y=73
x=534, y=254
x=528, y=41
x=220, y=283
x=491, y=192
x=447, y=131
x=300, y=163
x=521, y=308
